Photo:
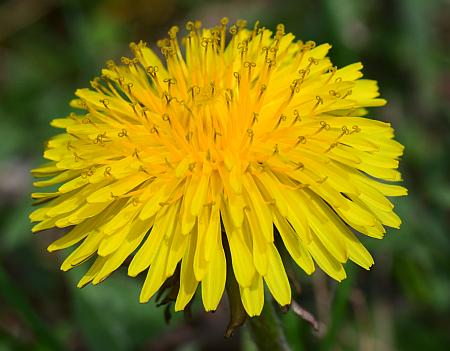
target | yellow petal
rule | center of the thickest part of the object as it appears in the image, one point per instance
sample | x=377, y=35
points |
x=325, y=260
x=293, y=244
x=276, y=278
x=213, y=284
x=163, y=226
x=156, y=274
x=117, y=188
x=92, y=271
x=188, y=283
x=253, y=296
x=241, y=257
x=259, y=207
x=199, y=198
x=137, y=232
x=83, y=252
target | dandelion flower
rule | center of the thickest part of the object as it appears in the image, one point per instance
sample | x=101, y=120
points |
x=240, y=141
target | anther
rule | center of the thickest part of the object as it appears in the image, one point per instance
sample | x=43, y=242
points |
x=192, y=166
x=136, y=154
x=142, y=169
x=122, y=133
x=335, y=94
x=348, y=93
x=332, y=71
x=173, y=32
x=262, y=166
x=233, y=30
x=205, y=41
x=270, y=63
x=107, y=172
x=152, y=70
x=166, y=118
x=303, y=73
x=169, y=82
x=356, y=129
x=133, y=106
x=296, y=117
x=282, y=118
x=255, y=29
x=312, y=61
x=319, y=101
x=265, y=49
x=166, y=95
x=250, y=133
x=167, y=51
x=241, y=23
x=91, y=170
x=243, y=46
x=323, y=125
x=144, y=112
x=110, y=64
x=249, y=65
x=77, y=158
x=274, y=51
x=310, y=44
x=190, y=26
x=345, y=131
x=134, y=47
x=95, y=83
x=194, y=90
x=120, y=80
x=105, y=102
x=275, y=150
x=168, y=163
x=255, y=118
x=154, y=129
x=216, y=134
x=237, y=76
x=99, y=138
x=262, y=89
x=280, y=28
x=299, y=166
x=332, y=146
x=295, y=88
x=125, y=60
x=350, y=111
x=301, y=140
x=321, y=181
x=229, y=96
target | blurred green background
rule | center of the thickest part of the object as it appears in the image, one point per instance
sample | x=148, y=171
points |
x=48, y=48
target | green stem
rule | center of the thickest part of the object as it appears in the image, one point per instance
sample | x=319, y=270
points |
x=267, y=331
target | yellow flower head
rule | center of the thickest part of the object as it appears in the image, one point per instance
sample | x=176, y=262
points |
x=239, y=142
